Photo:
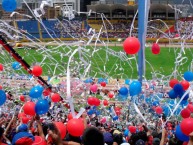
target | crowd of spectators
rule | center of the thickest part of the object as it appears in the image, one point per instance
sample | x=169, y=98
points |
x=70, y=28
x=118, y=29
x=121, y=29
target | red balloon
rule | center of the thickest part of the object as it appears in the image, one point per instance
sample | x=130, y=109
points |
x=169, y=128
x=37, y=70
x=132, y=129
x=185, y=113
x=185, y=84
x=131, y=45
x=169, y=124
x=21, y=115
x=187, y=126
x=117, y=110
x=173, y=82
x=1, y=67
x=75, y=127
x=62, y=128
x=158, y=110
x=67, y=105
x=29, y=108
x=70, y=116
x=177, y=35
x=93, y=88
x=55, y=97
x=1, y=88
x=39, y=141
x=25, y=120
x=91, y=101
x=190, y=107
x=105, y=103
x=103, y=84
x=46, y=92
x=97, y=102
x=110, y=95
x=155, y=48
x=22, y=98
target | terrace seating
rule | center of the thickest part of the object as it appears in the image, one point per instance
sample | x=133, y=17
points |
x=51, y=27
x=77, y=28
x=30, y=27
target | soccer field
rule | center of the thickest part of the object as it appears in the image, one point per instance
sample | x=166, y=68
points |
x=164, y=63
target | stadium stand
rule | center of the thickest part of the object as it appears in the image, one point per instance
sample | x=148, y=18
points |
x=50, y=26
x=78, y=28
x=31, y=27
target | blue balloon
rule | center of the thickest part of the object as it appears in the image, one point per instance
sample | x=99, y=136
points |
x=2, y=97
x=36, y=92
x=141, y=98
x=166, y=111
x=178, y=89
x=97, y=112
x=105, y=80
x=127, y=81
x=123, y=91
x=180, y=135
x=184, y=103
x=100, y=80
x=94, y=107
x=42, y=107
x=16, y=65
x=115, y=118
x=90, y=112
x=155, y=103
x=9, y=5
x=135, y=88
x=188, y=76
x=88, y=81
x=172, y=94
x=186, y=97
x=126, y=132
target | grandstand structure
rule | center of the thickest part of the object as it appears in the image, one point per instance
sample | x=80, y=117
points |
x=54, y=29
x=78, y=28
x=126, y=9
